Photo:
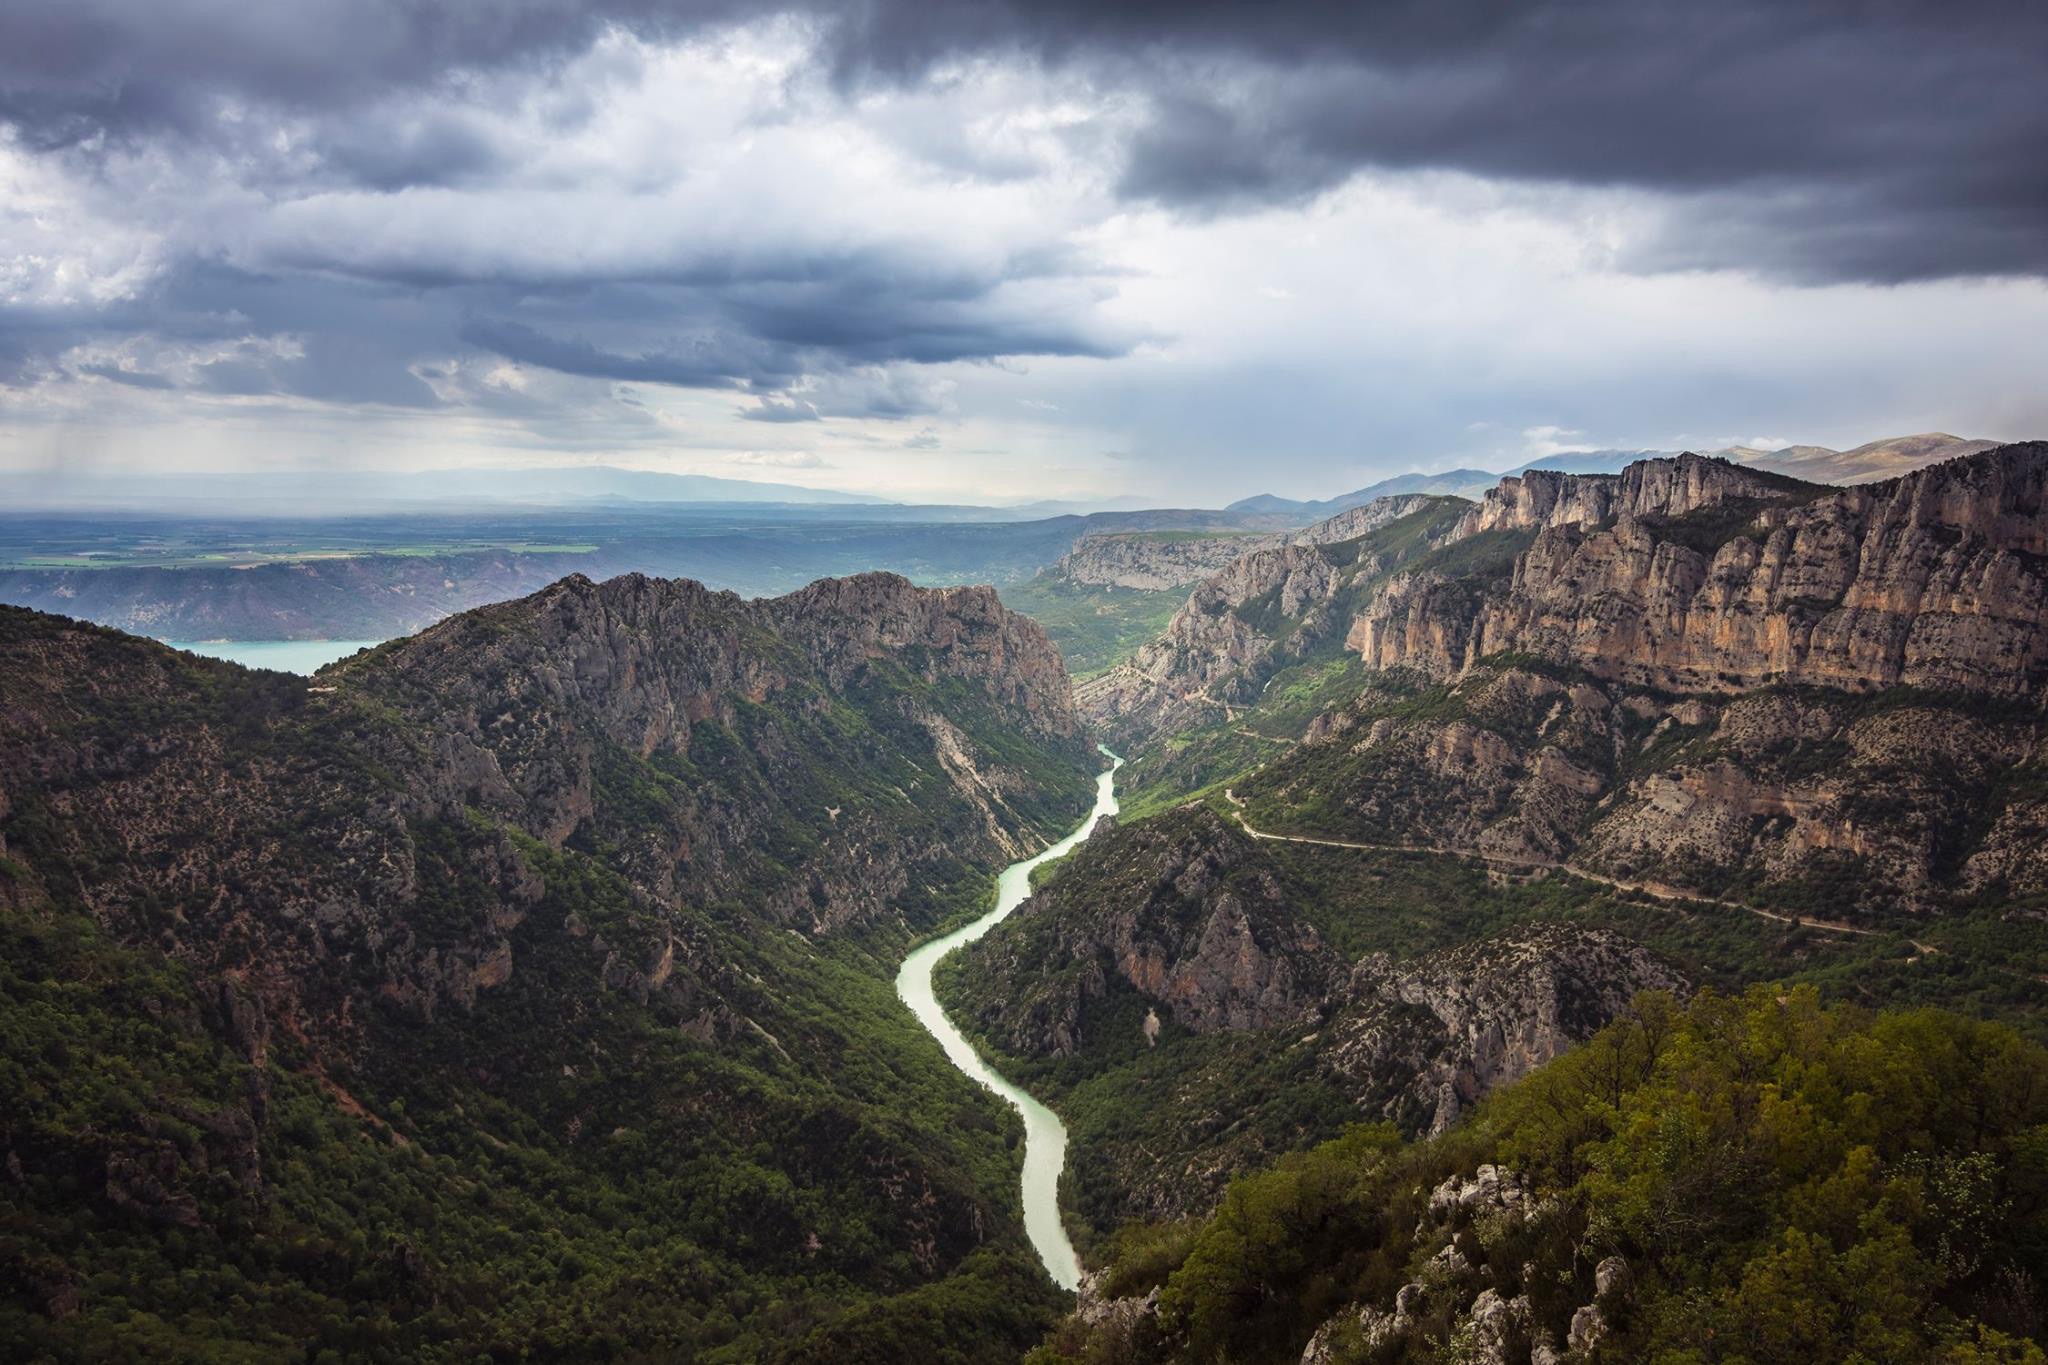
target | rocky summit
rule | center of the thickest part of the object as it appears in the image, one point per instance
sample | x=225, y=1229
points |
x=1697, y=575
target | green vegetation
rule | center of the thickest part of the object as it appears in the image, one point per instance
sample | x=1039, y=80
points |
x=1200, y=763
x=1784, y=1182
x=1095, y=628
x=681, y=1125
x=1235, y=1100
x=612, y=1190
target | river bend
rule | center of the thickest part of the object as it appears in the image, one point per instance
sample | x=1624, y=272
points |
x=1045, y=1137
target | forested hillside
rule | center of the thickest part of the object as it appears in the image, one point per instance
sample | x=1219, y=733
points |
x=521, y=989
x=1754, y=1178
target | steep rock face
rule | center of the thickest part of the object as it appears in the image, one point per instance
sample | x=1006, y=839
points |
x=1845, y=803
x=1153, y=563
x=1265, y=608
x=1421, y=1041
x=1423, y=620
x=1655, y=628
x=1182, y=913
x=1705, y=582
x=1169, y=965
x=1211, y=640
x=1542, y=499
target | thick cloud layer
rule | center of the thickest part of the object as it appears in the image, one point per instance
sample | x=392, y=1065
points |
x=1855, y=141
x=821, y=212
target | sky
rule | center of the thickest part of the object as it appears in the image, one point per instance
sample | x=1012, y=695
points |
x=963, y=250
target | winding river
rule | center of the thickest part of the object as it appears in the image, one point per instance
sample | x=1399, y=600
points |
x=1045, y=1137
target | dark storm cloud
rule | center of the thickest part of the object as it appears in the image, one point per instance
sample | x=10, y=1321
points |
x=701, y=367
x=1873, y=142
x=433, y=148
x=145, y=66
x=1886, y=140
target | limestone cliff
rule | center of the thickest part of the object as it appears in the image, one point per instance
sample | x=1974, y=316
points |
x=1695, y=575
x=1182, y=912
x=1567, y=675
x=1421, y=1041
x=1264, y=609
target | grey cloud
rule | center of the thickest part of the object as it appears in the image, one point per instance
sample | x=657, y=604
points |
x=134, y=379
x=236, y=377
x=780, y=410
x=703, y=368
x=68, y=72
x=431, y=147
x=1891, y=141
x=1886, y=141
x=1879, y=143
x=1837, y=140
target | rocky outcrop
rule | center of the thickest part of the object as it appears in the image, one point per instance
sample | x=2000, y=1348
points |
x=1544, y=499
x=1621, y=691
x=1182, y=912
x=1500, y=1311
x=1153, y=562
x=1420, y=1041
x=1694, y=575
x=1267, y=608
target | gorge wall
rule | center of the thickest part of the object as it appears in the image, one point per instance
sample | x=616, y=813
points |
x=1693, y=575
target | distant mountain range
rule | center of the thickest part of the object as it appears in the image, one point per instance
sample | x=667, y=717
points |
x=564, y=487
x=1883, y=459
x=1456, y=481
x=274, y=493
x=1865, y=464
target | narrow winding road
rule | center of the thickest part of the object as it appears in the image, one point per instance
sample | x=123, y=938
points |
x=1659, y=890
